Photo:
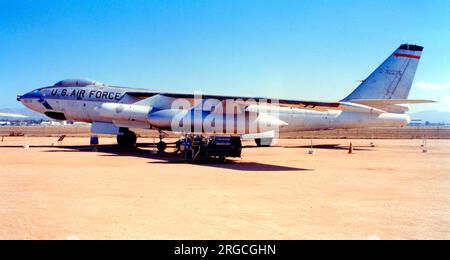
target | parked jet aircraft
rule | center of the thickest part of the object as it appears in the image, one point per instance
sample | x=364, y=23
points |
x=376, y=102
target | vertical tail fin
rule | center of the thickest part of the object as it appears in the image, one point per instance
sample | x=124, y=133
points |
x=393, y=78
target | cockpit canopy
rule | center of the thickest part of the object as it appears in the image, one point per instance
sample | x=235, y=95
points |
x=76, y=83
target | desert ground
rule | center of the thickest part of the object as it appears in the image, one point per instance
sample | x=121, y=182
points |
x=390, y=191
x=409, y=132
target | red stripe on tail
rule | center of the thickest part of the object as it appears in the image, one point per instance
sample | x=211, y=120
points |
x=407, y=56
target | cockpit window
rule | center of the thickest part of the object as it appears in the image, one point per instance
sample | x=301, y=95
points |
x=76, y=83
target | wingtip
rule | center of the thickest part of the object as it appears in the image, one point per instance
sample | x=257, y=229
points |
x=427, y=101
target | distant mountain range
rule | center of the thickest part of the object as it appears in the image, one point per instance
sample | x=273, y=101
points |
x=424, y=116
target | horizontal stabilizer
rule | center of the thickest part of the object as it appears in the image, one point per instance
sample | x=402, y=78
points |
x=391, y=105
x=384, y=102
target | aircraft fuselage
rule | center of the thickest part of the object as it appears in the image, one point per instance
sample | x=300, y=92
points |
x=88, y=104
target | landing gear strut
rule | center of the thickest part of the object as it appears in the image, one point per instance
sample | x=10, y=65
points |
x=263, y=142
x=161, y=145
x=127, y=138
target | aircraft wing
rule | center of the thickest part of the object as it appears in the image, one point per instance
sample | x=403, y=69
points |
x=301, y=104
x=141, y=94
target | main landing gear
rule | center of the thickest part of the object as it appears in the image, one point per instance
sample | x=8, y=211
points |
x=263, y=142
x=161, y=145
x=127, y=138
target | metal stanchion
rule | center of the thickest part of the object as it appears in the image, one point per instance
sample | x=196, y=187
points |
x=424, y=145
x=26, y=146
x=311, y=150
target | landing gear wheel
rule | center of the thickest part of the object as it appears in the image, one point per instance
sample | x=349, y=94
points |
x=161, y=146
x=127, y=139
x=178, y=145
x=263, y=142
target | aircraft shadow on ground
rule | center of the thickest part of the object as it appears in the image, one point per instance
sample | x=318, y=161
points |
x=332, y=147
x=242, y=166
x=164, y=158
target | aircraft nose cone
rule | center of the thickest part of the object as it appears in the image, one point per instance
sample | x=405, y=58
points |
x=35, y=94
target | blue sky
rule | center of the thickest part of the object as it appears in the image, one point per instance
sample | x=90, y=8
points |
x=314, y=50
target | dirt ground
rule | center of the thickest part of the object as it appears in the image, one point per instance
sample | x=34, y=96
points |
x=391, y=191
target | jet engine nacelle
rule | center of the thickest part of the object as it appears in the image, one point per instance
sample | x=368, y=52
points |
x=164, y=119
x=205, y=122
x=177, y=120
x=124, y=113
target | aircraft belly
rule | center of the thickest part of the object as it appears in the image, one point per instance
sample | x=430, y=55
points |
x=306, y=121
x=302, y=120
x=353, y=120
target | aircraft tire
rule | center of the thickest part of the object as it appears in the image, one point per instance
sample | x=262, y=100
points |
x=161, y=146
x=127, y=139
